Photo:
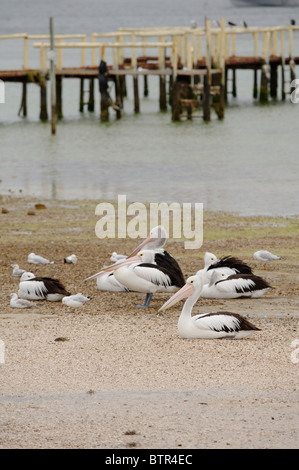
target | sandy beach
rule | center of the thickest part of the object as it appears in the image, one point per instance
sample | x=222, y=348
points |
x=111, y=376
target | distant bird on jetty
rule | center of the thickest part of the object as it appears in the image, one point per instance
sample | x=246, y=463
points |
x=265, y=256
x=293, y=22
x=15, y=302
x=41, y=288
x=140, y=273
x=222, y=286
x=72, y=259
x=74, y=301
x=206, y=325
x=36, y=259
x=17, y=272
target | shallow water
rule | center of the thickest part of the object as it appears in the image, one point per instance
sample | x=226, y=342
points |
x=247, y=163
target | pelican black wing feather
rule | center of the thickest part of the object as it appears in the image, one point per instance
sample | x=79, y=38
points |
x=233, y=263
x=169, y=263
x=53, y=286
x=241, y=323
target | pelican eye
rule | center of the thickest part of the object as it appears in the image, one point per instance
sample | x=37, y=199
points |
x=191, y=282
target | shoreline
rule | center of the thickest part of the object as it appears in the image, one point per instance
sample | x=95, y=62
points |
x=122, y=377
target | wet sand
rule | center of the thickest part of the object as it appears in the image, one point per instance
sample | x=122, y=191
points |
x=111, y=376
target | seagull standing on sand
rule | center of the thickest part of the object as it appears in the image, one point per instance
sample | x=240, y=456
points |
x=19, y=303
x=72, y=259
x=206, y=325
x=266, y=256
x=41, y=288
x=74, y=301
x=36, y=259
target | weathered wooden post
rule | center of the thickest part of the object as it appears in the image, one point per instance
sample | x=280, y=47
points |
x=255, y=85
x=145, y=87
x=52, y=79
x=176, y=103
x=81, y=96
x=103, y=85
x=206, y=99
x=118, y=96
x=162, y=99
x=59, y=113
x=264, y=92
x=136, y=94
x=90, y=105
x=43, y=96
x=273, y=81
x=23, y=106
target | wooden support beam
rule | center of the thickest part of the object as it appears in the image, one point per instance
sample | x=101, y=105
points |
x=81, y=96
x=23, y=106
x=136, y=94
x=90, y=105
x=43, y=97
x=59, y=113
x=162, y=100
x=206, y=100
x=264, y=92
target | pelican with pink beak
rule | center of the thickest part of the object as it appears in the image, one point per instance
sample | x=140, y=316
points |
x=206, y=325
x=140, y=273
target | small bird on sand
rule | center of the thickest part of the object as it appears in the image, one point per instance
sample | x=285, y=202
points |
x=72, y=259
x=76, y=300
x=266, y=256
x=36, y=259
x=116, y=257
x=16, y=271
x=15, y=302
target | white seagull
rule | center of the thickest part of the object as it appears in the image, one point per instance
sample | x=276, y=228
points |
x=116, y=257
x=15, y=302
x=36, y=259
x=206, y=325
x=266, y=256
x=72, y=259
x=41, y=288
x=232, y=286
x=140, y=274
x=74, y=301
x=17, y=272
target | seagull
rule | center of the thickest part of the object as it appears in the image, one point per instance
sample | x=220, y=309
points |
x=17, y=272
x=36, y=259
x=76, y=300
x=264, y=255
x=116, y=257
x=222, y=286
x=206, y=325
x=72, y=259
x=19, y=303
x=140, y=273
x=41, y=288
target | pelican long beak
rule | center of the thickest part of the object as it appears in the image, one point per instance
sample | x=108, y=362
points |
x=183, y=293
x=115, y=266
x=142, y=244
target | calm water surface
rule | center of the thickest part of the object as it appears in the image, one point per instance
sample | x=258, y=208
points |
x=248, y=163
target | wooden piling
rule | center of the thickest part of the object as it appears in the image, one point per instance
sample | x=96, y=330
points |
x=81, y=96
x=234, y=88
x=264, y=92
x=162, y=99
x=118, y=97
x=145, y=87
x=136, y=94
x=90, y=105
x=23, y=106
x=273, y=81
x=206, y=100
x=59, y=113
x=255, y=85
x=176, y=106
x=43, y=97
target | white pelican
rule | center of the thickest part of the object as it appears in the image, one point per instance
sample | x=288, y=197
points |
x=264, y=255
x=36, y=259
x=20, y=303
x=155, y=241
x=72, y=259
x=41, y=288
x=140, y=274
x=76, y=300
x=16, y=271
x=206, y=325
x=224, y=286
x=231, y=264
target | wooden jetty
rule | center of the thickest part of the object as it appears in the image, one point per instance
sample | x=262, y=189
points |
x=196, y=67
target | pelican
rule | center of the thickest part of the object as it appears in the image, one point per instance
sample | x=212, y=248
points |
x=140, y=273
x=16, y=271
x=15, y=302
x=266, y=256
x=41, y=288
x=224, y=286
x=231, y=264
x=72, y=259
x=36, y=259
x=155, y=241
x=206, y=325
